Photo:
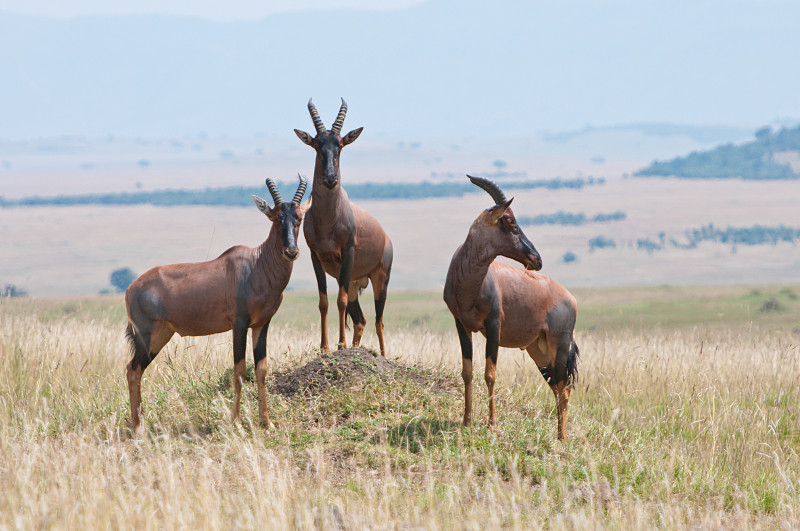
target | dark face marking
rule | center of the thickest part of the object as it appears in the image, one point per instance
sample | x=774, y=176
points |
x=526, y=253
x=329, y=146
x=289, y=220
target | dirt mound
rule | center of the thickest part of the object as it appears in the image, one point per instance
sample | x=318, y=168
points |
x=348, y=367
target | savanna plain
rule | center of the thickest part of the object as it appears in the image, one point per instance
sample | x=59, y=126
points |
x=685, y=415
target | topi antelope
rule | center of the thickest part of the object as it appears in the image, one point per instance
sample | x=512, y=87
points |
x=240, y=289
x=346, y=242
x=512, y=307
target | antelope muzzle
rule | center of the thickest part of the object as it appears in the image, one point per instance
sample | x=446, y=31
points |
x=291, y=253
x=532, y=258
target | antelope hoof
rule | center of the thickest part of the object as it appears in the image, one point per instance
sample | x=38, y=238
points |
x=266, y=424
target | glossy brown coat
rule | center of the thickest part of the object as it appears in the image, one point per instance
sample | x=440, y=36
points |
x=511, y=306
x=240, y=289
x=346, y=242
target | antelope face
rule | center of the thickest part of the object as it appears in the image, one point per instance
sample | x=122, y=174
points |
x=502, y=234
x=288, y=217
x=328, y=145
x=521, y=248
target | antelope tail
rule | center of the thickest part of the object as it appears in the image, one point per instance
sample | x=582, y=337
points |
x=138, y=350
x=572, y=363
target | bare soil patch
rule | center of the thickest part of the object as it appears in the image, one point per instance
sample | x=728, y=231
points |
x=351, y=367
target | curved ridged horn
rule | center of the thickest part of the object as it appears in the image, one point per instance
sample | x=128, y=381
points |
x=318, y=125
x=301, y=190
x=273, y=190
x=491, y=188
x=337, y=125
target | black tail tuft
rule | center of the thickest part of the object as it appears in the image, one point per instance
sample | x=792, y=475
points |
x=131, y=339
x=572, y=363
x=138, y=351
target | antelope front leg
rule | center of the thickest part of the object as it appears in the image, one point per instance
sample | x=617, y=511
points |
x=465, y=338
x=239, y=365
x=322, y=287
x=492, y=325
x=344, y=283
x=260, y=358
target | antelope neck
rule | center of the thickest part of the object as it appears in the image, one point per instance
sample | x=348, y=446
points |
x=471, y=263
x=269, y=264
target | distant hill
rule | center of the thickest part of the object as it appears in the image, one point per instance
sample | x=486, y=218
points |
x=772, y=155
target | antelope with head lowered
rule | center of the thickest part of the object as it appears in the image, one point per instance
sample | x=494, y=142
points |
x=346, y=242
x=240, y=289
x=511, y=306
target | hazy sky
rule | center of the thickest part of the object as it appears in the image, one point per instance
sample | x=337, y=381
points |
x=432, y=68
x=209, y=9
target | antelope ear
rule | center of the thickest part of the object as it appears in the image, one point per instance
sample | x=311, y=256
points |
x=304, y=208
x=497, y=211
x=305, y=137
x=350, y=137
x=262, y=205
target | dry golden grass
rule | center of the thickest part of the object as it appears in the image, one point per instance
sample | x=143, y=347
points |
x=681, y=427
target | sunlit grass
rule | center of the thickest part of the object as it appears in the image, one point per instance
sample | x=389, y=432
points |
x=687, y=425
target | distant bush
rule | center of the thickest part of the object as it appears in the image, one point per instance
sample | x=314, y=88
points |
x=122, y=278
x=10, y=290
x=601, y=242
x=772, y=305
x=569, y=257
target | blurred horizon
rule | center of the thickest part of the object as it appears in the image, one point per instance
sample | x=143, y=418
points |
x=437, y=69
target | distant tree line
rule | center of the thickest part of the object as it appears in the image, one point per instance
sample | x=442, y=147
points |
x=734, y=236
x=752, y=160
x=240, y=195
x=570, y=218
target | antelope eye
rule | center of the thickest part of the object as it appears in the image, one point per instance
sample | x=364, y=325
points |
x=511, y=226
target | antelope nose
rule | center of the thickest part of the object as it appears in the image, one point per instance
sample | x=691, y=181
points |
x=291, y=252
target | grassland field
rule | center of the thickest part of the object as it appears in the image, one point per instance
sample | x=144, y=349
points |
x=685, y=416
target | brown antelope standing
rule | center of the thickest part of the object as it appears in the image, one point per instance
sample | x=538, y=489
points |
x=346, y=242
x=240, y=289
x=511, y=306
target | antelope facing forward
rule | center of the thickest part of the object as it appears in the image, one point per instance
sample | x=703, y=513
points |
x=240, y=289
x=346, y=242
x=512, y=307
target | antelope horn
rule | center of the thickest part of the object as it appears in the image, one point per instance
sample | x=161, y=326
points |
x=318, y=125
x=301, y=190
x=337, y=125
x=491, y=188
x=273, y=190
